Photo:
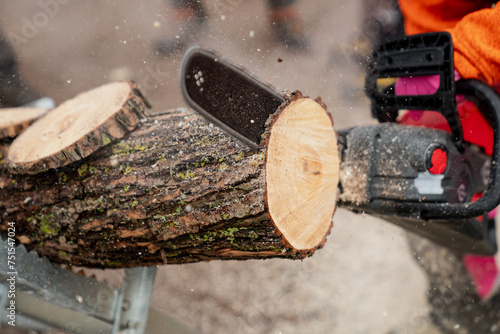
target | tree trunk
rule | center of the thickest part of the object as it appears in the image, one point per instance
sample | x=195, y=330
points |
x=177, y=189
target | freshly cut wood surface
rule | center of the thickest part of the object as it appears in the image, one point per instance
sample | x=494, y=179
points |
x=302, y=173
x=77, y=128
x=14, y=120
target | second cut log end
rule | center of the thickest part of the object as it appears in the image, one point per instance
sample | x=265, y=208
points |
x=302, y=173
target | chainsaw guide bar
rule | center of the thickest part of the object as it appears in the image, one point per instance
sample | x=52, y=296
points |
x=227, y=95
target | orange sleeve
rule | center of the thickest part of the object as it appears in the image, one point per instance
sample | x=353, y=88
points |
x=476, y=40
x=436, y=15
x=474, y=26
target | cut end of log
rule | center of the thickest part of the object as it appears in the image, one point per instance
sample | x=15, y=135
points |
x=77, y=128
x=14, y=120
x=302, y=174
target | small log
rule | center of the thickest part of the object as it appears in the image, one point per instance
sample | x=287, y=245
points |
x=77, y=128
x=178, y=189
x=13, y=121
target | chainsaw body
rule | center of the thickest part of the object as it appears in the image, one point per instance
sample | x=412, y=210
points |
x=445, y=203
x=428, y=181
x=387, y=171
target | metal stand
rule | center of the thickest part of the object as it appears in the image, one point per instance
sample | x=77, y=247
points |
x=48, y=296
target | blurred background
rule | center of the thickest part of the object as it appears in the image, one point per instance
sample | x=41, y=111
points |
x=365, y=279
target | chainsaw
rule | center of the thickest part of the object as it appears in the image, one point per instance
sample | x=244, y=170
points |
x=424, y=180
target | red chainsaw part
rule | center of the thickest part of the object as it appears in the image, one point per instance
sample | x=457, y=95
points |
x=438, y=161
x=475, y=128
x=484, y=273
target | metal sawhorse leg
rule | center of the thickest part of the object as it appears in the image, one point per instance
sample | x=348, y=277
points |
x=48, y=296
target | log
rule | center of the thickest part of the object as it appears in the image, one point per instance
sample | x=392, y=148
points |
x=77, y=128
x=13, y=121
x=178, y=189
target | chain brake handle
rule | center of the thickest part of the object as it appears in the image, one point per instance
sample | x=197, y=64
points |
x=412, y=56
x=432, y=54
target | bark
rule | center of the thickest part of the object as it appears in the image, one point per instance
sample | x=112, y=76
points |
x=175, y=190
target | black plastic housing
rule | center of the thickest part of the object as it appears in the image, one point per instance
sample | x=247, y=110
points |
x=417, y=55
x=450, y=223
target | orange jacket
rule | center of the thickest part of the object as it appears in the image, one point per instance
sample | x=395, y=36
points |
x=475, y=29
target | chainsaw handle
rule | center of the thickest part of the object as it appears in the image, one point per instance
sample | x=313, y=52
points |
x=488, y=102
x=413, y=56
